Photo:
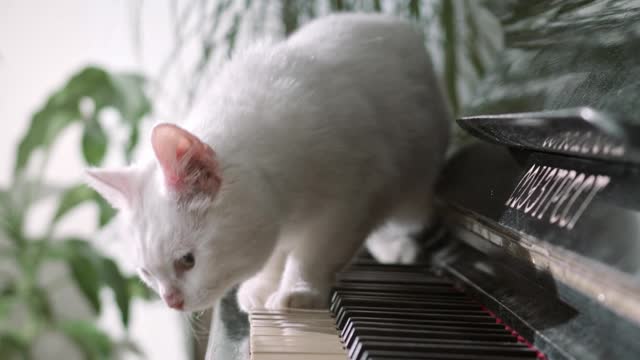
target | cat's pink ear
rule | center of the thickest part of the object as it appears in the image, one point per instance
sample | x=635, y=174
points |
x=118, y=186
x=189, y=165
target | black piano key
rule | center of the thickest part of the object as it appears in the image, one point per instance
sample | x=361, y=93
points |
x=391, y=355
x=339, y=296
x=396, y=283
x=427, y=310
x=345, y=313
x=371, y=302
x=463, y=315
x=399, y=288
x=432, y=306
x=392, y=267
x=377, y=266
x=430, y=334
x=423, y=324
x=494, y=329
x=377, y=277
x=396, y=295
x=365, y=342
x=399, y=318
x=438, y=350
x=425, y=313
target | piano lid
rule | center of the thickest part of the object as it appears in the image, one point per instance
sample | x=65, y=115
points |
x=567, y=81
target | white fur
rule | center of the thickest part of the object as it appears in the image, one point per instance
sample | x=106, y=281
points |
x=320, y=139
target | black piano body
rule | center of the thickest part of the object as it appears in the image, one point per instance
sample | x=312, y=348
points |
x=541, y=208
x=548, y=199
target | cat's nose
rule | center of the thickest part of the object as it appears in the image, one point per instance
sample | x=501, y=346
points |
x=174, y=299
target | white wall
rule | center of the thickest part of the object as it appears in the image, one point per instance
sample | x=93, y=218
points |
x=42, y=42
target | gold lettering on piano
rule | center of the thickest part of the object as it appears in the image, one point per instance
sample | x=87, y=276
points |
x=558, y=195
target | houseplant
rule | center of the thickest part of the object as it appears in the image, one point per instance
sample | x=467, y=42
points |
x=27, y=312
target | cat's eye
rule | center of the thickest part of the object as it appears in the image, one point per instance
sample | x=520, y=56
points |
x=185, y=263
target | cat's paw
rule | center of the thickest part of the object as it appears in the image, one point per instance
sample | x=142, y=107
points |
x=298, y=298
x=391, y=247
x=253, y=294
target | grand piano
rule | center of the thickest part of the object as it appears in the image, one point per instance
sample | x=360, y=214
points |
x=537, y=254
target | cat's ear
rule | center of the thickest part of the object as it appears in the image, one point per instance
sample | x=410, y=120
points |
x=118, y=186
x=189, y=165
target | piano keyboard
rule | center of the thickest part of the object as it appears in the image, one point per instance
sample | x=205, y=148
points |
x=384, y=312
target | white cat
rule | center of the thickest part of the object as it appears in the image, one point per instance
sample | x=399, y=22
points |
x=298, y=152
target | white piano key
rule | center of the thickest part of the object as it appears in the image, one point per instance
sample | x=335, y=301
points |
x=294, y=334
x=266, y=330
x=271, y=356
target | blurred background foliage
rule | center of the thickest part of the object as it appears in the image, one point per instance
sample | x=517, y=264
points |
x=462, y=37
x=26, y=309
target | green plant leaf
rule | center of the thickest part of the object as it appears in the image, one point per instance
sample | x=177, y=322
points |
x=118, y=283
x=134, y=136
x=71, y=198
x=290, y=12
x=231, y=34
x=85, y=268
x=94, y=143
x=130, y=100
x=87, y=277
x=79, y=194
x=11, y=219
x=6, y=304
x=448, y=22
x=414, y=8
x=138, y=289
x=93, y=86
x=91, y=270
x=38, y=303
x=107, y=212
x=15, y=202
x=337, y=5
x=13, y=346
x=94, y=343
x=46, y=125
x=472, y=42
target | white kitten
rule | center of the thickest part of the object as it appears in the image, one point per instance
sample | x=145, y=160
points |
x=298, y=152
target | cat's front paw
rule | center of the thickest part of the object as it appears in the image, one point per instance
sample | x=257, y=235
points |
x=298, y=298
x=253, y=294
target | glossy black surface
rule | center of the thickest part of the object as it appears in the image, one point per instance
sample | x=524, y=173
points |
x=600, y=224
x=567, y=80
x=562, y=54
x=579, y=132
x=560, y=322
